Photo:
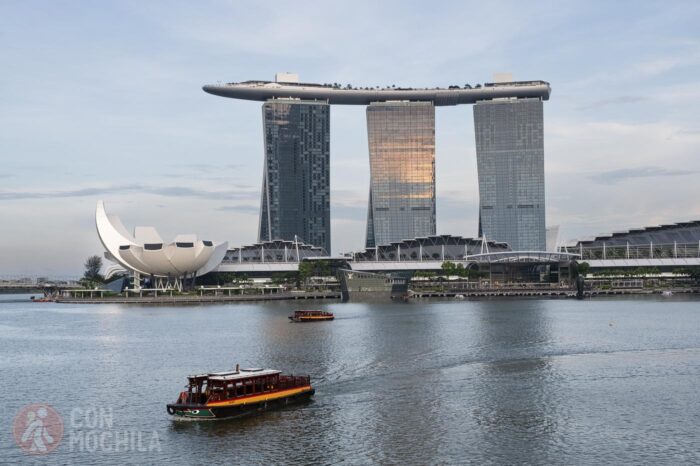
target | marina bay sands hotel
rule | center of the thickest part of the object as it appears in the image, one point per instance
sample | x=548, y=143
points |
x=295, y=201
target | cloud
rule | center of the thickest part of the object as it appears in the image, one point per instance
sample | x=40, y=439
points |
x=661, y=65
x=243, y=209
x=620, y=100
x=614, y=176
x=689, y=132
x=208, y=167
x=166, y=191
x=121, y=117
x=644, y=69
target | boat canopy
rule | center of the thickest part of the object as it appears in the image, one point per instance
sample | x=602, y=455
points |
x=242, y=374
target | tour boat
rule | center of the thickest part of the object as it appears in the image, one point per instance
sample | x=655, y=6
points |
x=45, y=299
x=311, y=316
x=239, y=393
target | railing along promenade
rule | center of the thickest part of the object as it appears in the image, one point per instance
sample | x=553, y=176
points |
x=638, y=251
x=33, y=284
x=199, y=295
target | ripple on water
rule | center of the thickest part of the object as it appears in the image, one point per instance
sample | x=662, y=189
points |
x=480, y=382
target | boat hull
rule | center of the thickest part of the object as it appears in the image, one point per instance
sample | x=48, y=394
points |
x=239, y=408
x=310, y=319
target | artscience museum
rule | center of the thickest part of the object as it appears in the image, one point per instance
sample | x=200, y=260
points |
x=167, y=265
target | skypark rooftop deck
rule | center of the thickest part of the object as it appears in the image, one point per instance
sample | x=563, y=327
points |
x=348, y=95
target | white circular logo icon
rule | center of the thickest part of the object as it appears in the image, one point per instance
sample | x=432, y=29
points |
x=38, y=429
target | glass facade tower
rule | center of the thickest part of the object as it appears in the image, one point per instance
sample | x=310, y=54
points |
x=402, y=171
x=295, y=197
x=510, y=164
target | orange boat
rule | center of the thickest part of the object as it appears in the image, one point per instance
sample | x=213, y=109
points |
x=239, y=393
x=45, y=299
x=311, y=316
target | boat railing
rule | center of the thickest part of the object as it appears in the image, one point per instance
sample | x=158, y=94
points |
x=293, y=381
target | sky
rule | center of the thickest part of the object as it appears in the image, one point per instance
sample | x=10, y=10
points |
x=104, y=101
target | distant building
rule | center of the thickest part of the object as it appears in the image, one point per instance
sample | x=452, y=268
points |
x=401, y=133
x=426, y=254
x=402, y=171
x=273, y=257
x=675, y=244
x=552, y=238
x=273, y=252
x=510, y=163
x=286, y=77
x=145, y=254
x=436, y=248
x=296, y=179
x=287, y=85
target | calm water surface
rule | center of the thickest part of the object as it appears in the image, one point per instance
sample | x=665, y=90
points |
x=607, y=381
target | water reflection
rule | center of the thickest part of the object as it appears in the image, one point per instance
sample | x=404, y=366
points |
x=509, y=382
x=404, y=393
x=516, y=411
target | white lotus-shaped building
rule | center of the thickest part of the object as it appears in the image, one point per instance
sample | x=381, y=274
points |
x=145, y=253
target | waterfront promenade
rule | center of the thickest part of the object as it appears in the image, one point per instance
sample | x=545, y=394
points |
x=221, y=296
x=167, y=298
x=545, y=293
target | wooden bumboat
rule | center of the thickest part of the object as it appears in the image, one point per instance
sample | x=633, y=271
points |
x=239, y=393
x=311, y=316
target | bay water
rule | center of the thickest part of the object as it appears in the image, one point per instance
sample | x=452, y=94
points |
x=527, y=381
